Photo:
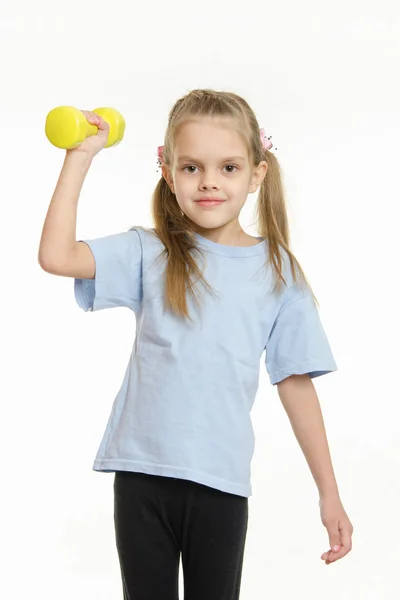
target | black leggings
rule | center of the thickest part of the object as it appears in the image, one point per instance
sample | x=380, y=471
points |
x=158, y=519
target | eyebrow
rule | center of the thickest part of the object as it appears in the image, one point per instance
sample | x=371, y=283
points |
x=190, y=158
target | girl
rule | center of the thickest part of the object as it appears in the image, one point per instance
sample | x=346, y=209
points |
x=208, y=300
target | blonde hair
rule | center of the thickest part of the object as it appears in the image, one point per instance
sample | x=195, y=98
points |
x=173, y=228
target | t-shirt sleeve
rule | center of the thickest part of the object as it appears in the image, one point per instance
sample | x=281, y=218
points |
x=297, y=343
x=118, y=277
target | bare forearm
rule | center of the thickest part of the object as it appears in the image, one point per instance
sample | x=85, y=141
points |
x=300, y=401
x=59, y=230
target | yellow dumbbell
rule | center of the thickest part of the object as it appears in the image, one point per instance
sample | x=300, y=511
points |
x=67, y=127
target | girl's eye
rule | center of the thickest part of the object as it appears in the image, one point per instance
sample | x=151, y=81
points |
x=190, y=166
x=231, y=166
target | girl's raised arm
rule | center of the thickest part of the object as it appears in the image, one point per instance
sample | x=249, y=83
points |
x=59, y=251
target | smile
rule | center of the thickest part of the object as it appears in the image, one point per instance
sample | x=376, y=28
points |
x=209, y=203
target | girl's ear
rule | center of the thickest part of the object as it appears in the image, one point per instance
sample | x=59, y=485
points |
x=258, y=175
x=168, y=177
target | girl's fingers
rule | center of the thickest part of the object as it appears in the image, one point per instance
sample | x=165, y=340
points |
x=346, y=546
x=331, y=557
x=328, y=556
x=346, y=532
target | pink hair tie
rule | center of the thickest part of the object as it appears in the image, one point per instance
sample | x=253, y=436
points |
x=266, y=142
x=160, y=154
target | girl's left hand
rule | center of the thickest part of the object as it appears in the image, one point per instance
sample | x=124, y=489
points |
x=339, y=528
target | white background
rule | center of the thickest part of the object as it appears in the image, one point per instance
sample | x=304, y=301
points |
x=323, y=81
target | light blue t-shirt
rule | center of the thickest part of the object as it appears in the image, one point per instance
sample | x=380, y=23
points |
x=183, y=409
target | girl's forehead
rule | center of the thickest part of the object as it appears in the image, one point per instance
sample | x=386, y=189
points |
x=209, y=135
x=208, y=125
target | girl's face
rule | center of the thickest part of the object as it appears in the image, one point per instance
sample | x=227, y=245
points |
x=211, y=161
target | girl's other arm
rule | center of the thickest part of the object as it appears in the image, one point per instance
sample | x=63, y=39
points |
x=300, y=401
x=302, y=406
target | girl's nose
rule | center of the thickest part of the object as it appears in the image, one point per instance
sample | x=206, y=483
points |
x=209, y=183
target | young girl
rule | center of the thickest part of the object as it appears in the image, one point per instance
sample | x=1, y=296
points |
x=208, y=300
